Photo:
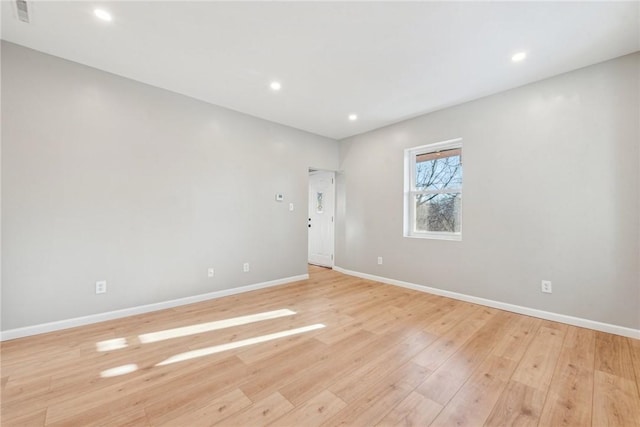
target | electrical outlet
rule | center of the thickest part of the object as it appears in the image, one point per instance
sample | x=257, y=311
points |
x=210, y=272
x=379, y=260
x=101, y=287
x=245, y=267
x=545, y=287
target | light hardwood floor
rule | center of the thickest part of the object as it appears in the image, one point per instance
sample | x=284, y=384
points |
x=385, y=356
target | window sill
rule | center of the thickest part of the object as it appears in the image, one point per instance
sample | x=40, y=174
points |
x=436, y=236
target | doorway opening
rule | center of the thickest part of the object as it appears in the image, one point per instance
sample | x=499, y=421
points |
x=321, y=224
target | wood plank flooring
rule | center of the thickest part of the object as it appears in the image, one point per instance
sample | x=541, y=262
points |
x=349, y=352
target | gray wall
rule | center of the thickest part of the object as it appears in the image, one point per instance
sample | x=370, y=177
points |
x=551, y=191
x=107, y=178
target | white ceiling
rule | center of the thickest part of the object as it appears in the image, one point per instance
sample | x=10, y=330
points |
x=385, y=61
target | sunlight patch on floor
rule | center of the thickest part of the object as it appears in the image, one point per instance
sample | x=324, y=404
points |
x=119, y=370
x=114, y=344
x=212, y=326
x=243, y=343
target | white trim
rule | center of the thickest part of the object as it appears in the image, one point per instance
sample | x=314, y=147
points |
x=116, y=314
x=435, y=235
x=410, y=191
x=556, y=317
x=437, y=146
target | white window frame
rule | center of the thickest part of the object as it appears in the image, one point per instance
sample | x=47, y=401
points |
x=410, y=190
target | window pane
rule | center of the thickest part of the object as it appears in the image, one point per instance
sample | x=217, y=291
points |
x=438, y=212
x=439, y=170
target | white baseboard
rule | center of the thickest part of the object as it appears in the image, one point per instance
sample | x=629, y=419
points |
x=101, y=317
x=562, y=318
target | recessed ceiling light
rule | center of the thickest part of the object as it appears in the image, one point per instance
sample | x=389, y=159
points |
x=519, y=56
x=275, y=86
x=102, y=14
x=353, y=117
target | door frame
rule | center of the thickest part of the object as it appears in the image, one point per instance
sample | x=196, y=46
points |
x=311, y=171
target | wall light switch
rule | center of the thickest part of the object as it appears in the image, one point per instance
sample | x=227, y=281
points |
x=210, y=272
x=291, y=207
x=279, y=197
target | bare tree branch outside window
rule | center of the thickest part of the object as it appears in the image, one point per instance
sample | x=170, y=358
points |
x=439, y=175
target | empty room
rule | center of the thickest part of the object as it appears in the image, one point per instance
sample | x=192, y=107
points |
x=320, y=213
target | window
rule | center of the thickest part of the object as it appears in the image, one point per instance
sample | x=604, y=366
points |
x=433, y=191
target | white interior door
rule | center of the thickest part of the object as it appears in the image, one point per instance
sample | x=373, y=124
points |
x=321, y=217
